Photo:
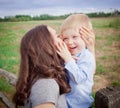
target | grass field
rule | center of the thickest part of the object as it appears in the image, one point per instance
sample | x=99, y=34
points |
x=107, y=31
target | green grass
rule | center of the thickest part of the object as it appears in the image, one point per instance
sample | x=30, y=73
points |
x=115, y=23
x=4, y=85
x=101, y=69
x=116, y=83
x=103, y=23
x=9, y=51
x=104, y=57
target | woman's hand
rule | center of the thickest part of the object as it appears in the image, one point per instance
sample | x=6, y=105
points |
x=89, y=38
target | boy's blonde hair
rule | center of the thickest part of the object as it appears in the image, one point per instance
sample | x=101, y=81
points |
x=76, y=21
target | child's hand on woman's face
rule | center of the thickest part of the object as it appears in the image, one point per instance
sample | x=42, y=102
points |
x=89, y=38
x=63, y=51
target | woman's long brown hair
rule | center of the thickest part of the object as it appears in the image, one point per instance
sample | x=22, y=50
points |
x=38, y=60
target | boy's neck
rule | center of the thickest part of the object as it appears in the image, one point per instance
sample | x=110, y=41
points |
x=79, y=51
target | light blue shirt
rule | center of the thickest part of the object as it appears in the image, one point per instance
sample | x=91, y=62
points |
x=81, y=74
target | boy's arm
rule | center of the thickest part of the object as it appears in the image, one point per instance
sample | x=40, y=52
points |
x=79, y=71
x=82, y=70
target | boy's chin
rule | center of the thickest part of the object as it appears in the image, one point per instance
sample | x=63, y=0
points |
x=74, y=53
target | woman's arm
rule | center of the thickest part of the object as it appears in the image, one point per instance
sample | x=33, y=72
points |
x=46, y=105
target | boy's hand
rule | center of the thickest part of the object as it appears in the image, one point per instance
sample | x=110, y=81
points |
x=89, y=38
x=63, y=51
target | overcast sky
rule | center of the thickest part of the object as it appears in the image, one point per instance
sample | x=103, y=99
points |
x=55, y=7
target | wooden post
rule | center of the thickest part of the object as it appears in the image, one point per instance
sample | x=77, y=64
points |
x=108, y=97
x=11, y=78
x=6, y=101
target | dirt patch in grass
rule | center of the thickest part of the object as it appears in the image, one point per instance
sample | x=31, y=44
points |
x=107, y=57
x=100, y=81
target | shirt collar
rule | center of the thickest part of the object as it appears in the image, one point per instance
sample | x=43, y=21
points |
x=79, y=53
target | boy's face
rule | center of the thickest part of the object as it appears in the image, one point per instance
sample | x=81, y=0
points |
x=73, y=40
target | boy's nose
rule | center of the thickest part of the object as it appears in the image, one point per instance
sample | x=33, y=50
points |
x=70, y=41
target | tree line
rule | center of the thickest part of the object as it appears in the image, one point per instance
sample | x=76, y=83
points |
x=50, y=17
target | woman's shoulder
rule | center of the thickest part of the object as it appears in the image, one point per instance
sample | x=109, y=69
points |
x=46, y=80
x=46, y=90
x=46, y=83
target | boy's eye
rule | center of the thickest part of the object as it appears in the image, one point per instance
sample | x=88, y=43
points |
x=75, y=36
x=65, y=39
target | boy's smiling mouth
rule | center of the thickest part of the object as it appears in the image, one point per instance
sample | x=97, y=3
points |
x=71, y=49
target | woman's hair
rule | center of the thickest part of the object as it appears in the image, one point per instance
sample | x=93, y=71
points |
x=38, y=60
x=76, y=21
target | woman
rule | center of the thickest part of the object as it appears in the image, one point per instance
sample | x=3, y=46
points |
x=42, y=80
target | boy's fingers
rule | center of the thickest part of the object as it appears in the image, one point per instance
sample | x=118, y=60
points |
x=75, y=58
x=65, y=46
x=58, y=46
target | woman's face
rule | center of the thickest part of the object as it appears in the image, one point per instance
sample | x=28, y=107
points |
x=54, y=35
